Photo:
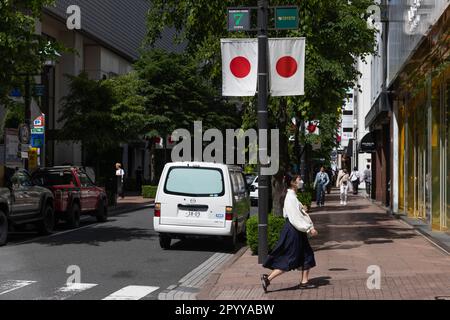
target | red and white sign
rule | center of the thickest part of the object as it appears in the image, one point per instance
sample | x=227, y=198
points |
x=287, y=66
x=239, y=67
x=39, y=122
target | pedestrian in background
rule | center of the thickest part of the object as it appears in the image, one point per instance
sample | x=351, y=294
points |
x=368, y=179
x=292, y=250
x=320, y=184
x=343, y=185
x=340, y=174
x=354, y=178
x=120, y=173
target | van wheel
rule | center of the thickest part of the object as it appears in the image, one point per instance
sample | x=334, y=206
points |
x=47, y=224
x=3, y=228
x=73, y=216
x=164, y=241
x=102, y=212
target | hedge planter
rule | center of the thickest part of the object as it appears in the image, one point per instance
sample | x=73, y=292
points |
x=149, y=191
x=275, y=225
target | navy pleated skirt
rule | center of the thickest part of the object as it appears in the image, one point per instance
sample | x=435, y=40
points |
x=291, y=252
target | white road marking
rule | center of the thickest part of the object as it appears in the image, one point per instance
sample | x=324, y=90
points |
x=70, y=290
x=12, y=285
x=131, y=293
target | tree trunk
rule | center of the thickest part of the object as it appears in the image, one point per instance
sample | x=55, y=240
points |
x=278, y=188
x=152, y=162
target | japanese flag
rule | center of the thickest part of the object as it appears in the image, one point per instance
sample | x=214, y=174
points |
x=239, y=67
x=287, y=66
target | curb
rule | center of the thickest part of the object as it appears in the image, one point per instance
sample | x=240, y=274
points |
x=113, y=211
x=215, y=276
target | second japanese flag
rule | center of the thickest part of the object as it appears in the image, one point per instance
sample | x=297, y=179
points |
x=287, y=66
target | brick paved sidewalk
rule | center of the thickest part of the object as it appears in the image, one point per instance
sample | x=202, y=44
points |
x=130, y=203
x=351, y=239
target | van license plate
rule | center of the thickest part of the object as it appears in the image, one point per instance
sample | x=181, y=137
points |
x=193, y=214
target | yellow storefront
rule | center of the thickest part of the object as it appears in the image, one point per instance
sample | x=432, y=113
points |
x=423, y=97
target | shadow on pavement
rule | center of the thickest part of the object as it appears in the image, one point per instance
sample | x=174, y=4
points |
x=317, y=282
x=99, y=235
x=206, y=245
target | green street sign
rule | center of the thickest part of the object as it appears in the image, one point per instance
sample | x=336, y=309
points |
x=37, y=131
x=239, y=19
x=286, y=18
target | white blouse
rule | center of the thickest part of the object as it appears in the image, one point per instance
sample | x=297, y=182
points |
x=293, y=211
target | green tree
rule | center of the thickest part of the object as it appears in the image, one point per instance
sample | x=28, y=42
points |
x=336, y=36
x=22, y=51
x=101, y=115
x=176, y=95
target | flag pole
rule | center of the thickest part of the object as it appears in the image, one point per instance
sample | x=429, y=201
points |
x=263, y=184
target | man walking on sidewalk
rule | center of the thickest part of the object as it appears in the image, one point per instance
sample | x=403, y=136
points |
x=368, y=179
x=321, y=182
x=354, y=178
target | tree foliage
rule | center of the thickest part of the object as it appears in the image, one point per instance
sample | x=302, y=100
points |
x=176, y=95
x=336, y=36
x=22, y=51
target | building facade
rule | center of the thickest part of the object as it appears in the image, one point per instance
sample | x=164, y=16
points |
x=107, y=45
x=410, y=114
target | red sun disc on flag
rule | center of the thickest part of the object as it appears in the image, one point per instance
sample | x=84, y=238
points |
x=287, y=66
x=240, y=67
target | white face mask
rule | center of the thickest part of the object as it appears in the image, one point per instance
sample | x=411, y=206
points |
x=300, y=184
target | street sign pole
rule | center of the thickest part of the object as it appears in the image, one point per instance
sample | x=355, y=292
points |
x=263, y=184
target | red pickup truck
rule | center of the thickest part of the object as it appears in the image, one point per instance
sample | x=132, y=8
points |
x=74, y=192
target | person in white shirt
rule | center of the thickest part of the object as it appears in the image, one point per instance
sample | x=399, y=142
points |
x=120, y=173
x=354, y=178
x=292, y=250
x=343, y=184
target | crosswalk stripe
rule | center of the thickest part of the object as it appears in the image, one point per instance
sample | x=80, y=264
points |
x=131, y=293
x=70, y=289
x=12, y=285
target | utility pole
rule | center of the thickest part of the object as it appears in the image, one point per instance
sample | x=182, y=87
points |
x=263, y=184
x=27, y=109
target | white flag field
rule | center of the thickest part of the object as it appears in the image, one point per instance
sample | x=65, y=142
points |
x=240, y=67
x=286, y=67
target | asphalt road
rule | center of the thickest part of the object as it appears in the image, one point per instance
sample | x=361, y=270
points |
x=121, y=257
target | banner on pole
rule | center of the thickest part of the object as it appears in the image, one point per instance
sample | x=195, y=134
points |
x=239, y=67
x=287, y=66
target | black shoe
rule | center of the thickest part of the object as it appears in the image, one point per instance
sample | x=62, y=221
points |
x=265, y=282
x=307, y=285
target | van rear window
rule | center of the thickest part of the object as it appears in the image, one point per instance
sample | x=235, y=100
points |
x=195, y=182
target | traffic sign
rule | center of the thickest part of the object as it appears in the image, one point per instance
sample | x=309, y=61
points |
x=37, y=140
x=239, y=19
x=37, y=130
x=286, y=18
x=39, y=122
x=39, y=90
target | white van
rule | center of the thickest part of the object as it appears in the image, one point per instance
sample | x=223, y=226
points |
x=201, y=199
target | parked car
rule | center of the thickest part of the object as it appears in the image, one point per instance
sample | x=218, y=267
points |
x=22, y=202
x=254, y=192
x=201, y=199
x=74, y=192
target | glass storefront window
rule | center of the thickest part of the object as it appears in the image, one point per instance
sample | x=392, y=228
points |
x=435, y=143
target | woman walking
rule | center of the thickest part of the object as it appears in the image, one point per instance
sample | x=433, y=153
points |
x=293, y=250
x=343, y=184
x=354, y=178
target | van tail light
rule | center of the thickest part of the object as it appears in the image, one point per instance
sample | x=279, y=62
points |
x=157, y=210
x=229, y=214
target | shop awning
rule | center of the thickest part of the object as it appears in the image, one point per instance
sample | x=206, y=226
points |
x=368, y=143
